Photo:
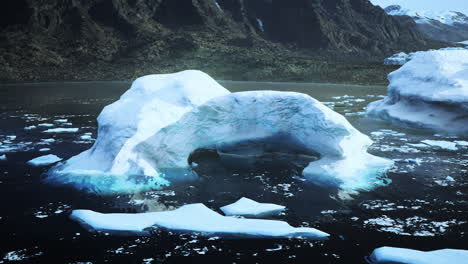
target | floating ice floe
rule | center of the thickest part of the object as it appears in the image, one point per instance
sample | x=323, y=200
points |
x=62, y=130
x=385, y=255
x=46, y=125
x=3, y=157
x=61, y=120
x=156, y=126
x=30, y=127
x=430, y=91
x=250, y=208
x=441, y=144
x=192, y=218
x=44, y=160
x=44, y=149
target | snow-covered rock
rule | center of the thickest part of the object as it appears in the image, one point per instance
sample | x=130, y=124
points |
x=385, y=255
x=425, y=17
x=250, y=208
x=152, y=102
x=192, y=218
x=430, y=91
x=44, y=160
x=155, y=127
x=398, y=59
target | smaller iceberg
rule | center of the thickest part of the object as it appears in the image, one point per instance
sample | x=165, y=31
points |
x=250, y=208
x=44, y=160
x=429, y=92
x=192, y=218
x=3, y=157
x=398, y=59
x=386, y=255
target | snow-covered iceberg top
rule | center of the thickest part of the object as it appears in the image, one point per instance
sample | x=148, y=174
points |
x=385, y=255
x=429, y=91
x=250, y=208
x=192, y=218
x=156, y=126
x=44, y=160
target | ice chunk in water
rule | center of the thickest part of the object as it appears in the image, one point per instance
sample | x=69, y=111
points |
x=192, y=218
x=250, y=208
x=44, y=160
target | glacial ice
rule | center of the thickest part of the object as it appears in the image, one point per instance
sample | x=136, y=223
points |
x=44, y=160
x=192, y=218
x=409, y=256
x=250, y=208
x=155, y=127
x=430, y=92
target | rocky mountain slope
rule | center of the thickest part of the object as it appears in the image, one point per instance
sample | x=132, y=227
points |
x=231, y=39
x=449, y=26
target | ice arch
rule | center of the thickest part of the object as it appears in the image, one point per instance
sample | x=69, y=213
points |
x=274, y=122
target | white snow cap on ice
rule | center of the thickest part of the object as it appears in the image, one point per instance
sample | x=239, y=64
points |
x=430, y=91
x=192, y=218
x=156, y=125
x=44, y=160
x=250, y=208
x=385, y=255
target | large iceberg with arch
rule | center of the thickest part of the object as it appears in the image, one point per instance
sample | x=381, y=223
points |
x=430, y=92
x=162, y=120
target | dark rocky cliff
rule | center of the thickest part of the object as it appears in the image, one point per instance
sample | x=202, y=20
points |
x=118, y=39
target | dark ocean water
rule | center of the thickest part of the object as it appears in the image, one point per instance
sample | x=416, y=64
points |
x=422, y=208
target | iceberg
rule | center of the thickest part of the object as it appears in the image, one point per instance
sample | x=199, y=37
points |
x=250, y=208
x=3, y=157
x=430, y=92
x=157, y=125
x=398, y=59
x=409, y=256
x=192, y=218
x=44, y=160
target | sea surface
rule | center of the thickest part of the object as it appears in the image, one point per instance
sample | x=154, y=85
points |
x=424, y=206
